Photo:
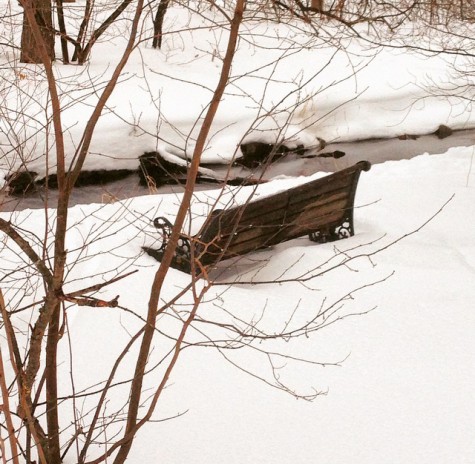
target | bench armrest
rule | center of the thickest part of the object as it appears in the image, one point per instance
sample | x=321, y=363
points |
x=164, y=228
x=181, y=258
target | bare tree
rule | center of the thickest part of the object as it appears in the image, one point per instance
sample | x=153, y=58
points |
x=47, y=325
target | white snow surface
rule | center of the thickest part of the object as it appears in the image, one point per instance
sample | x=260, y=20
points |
x=404, y=390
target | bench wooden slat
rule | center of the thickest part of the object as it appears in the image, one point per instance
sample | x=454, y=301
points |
x=282, y=216
x=302, y=222
x=264, y=236
x=286, y=200
x=276, y=214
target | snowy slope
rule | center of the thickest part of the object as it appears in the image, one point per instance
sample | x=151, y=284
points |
x=403, y=392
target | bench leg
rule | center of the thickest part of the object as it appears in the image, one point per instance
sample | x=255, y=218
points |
x=180, y=260
x=333, y=233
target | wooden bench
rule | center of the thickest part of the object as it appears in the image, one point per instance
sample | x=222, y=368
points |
x=322, y=209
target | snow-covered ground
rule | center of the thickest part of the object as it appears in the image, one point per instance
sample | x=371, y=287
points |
x=405, y=394
x=404, y=390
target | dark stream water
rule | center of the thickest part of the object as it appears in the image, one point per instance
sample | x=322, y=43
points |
x=374, y=150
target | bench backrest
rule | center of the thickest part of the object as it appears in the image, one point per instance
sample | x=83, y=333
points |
x=316, y=206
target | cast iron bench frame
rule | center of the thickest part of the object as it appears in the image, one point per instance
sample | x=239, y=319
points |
x=321, y=209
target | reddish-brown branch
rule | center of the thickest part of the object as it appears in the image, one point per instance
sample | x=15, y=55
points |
x=6, y=411
x=132, y=426
x=25, y=406
x=7, y=228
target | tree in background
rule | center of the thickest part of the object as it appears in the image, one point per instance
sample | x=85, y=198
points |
x=158, y=23
x=37, y=12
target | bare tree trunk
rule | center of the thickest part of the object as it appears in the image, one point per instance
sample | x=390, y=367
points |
x=5, y=398
x=340, y=6
x=62, y=30
x=317, y=4
x=158, y=23
x=49, y=317
x=52, y=418
x=82, y=30
x=30, y=52
x=433, y=11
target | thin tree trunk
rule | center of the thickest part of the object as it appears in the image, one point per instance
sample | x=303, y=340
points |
x=52, y=418
x=30, y=48
x=158, y=23
x=25, y=406
x=43, y=40
x=317, y=5
x=62, y=30
x=82, y=30
x=6, y=403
